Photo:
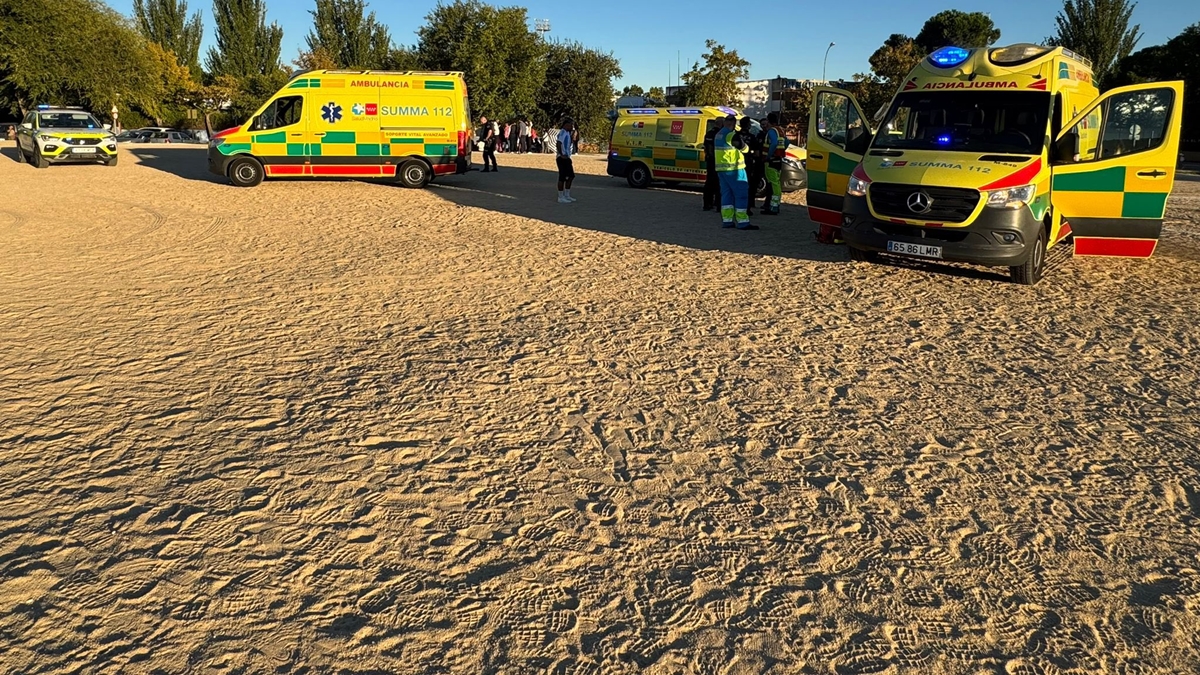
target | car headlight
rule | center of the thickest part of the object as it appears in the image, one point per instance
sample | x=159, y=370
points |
x=1011, y=198
x=857, y=187
x=45, y=138
x=791, y=162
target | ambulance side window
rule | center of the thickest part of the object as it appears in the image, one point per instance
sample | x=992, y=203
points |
x=838, y=121
x=1134, y=121
x=281, y=113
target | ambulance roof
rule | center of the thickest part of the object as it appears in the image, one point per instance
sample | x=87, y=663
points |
x=996, y=61
x=718, y=111
x=405, y=73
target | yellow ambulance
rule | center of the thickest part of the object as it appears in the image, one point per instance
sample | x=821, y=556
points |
x=650, y=145
x=340, y=123
x=992, y=156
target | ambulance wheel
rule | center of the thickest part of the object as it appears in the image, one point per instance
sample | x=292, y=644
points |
x=763, y=188
x=39, y=161
x=859, y=255
x=639, y=176
x=245, y=172
x=415, y=175
x=1031, y=272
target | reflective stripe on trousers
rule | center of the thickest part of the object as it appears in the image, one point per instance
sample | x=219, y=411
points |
x=734, y=197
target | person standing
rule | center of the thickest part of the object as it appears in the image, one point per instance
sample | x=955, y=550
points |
x=775, y=146
x=514, y=136
x=566, y=169
x=730, y=150
x=752, y=133
x=712, y=184
x=487, y=134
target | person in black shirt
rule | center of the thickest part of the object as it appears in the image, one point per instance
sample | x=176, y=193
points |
x=753, y=135
x=487, y=134
x=712, y=184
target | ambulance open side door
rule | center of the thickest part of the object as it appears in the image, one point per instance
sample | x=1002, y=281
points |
x=838, y=136
x=1113, y=168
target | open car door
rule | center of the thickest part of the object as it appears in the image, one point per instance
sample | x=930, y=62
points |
x=838, y=136
x=1114, y=166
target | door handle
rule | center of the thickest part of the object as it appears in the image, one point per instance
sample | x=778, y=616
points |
x=319, y=134
x=816, y=155
x=1153, y=173
x=295, y=134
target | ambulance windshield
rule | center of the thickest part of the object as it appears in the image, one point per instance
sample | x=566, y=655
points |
x=967, y=121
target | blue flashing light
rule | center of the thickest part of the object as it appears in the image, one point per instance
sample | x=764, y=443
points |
x=641, y=111
x=43, y=106
x=948, y=57
x=943, y=139
x=683, y=111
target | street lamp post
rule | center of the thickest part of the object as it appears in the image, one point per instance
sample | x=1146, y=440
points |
x=826, y=61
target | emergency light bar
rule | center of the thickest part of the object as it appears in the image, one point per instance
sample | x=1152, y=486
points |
x=948, y=57
x=683, y=111
x=1014, y=54
x=641, y=111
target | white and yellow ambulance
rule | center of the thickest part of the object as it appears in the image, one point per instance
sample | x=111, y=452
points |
x=364, y=124
x=992, y=156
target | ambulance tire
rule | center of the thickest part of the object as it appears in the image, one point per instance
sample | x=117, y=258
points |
x=764, y=188
x=859, y=255
x=245, y=172
x=639, y=176
x=415, y=174
x=1031, y=272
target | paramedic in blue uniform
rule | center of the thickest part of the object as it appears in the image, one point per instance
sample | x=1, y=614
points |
x=729, y=151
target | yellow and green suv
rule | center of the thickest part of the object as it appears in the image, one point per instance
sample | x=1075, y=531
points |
x=54, y=135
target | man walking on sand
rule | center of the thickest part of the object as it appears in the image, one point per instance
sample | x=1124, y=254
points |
x=487, y=134
x=566, y=170
x=730, y=153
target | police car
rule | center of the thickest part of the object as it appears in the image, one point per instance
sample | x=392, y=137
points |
x=51, y=135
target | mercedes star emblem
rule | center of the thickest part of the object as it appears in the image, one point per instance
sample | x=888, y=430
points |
x=919, y=202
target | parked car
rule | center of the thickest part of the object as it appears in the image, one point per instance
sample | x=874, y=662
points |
x=132, y=136
x=169, y=137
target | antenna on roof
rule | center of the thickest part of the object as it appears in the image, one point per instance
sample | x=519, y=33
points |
x=542, y=26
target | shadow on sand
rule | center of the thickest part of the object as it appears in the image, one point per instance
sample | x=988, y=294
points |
x=187, y=162
x=663, y=215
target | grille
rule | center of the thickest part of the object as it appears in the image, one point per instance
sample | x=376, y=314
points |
x=948, y=205
x=81, y=141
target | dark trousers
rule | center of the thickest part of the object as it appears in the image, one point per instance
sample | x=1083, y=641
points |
x=489, y=155
x=754, y=174
x=712, y=190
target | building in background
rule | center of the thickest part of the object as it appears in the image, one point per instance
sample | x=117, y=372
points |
x=758, y=97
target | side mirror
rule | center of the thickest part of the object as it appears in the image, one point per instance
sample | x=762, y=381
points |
x=1066, y=148
x=26, y=125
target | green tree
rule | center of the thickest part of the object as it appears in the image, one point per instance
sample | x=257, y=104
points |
x=166, y=23
x=1098, y=30
x=578, y=83
x=955, y=28
x=1178, y=59
x=502, y=59
x=715, y=83
x=93, y=57
x=403, y=58
x=318, y=58
x=656, y=96
x=892, y=62
x=353, y=37
x=246, y=45
x=632, y=90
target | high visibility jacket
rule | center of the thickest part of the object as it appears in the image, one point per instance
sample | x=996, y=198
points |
x=776, y=144
x=729, y=157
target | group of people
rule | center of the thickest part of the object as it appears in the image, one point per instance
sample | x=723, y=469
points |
x=565, y=143
x=738, y=155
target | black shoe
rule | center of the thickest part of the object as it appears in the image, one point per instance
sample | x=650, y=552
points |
x=748, y=227
x=486, y=171
x=708, y=208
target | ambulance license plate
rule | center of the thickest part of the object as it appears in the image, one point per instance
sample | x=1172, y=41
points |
x=918, y=250
x=83, y=151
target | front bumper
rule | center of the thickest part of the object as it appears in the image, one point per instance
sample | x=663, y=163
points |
x=218, y=162
x=980, y=243
x=58, y=151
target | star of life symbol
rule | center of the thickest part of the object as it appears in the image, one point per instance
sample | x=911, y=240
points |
x=331, y=112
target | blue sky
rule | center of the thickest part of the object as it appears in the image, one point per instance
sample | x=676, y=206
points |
x=786, y=38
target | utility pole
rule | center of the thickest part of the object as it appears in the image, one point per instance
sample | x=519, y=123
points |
x=542, y=26
x=826, y=62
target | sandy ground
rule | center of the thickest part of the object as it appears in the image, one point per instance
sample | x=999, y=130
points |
x=342, y=427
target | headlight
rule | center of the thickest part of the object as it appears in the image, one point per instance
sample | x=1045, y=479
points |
x=45, y=138
x=215, y=142
x=1012, y=198
x=857, y=187
x=791, y=162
